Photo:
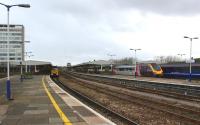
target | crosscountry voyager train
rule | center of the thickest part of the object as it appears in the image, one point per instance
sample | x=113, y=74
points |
x=142, y=69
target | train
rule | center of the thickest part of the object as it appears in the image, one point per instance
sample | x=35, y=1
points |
x=181, y=70
x=142, y=69
x=54, y=72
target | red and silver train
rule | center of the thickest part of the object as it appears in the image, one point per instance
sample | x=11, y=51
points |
x=142, y=69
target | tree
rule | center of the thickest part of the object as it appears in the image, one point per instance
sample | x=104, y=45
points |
x=124, y=61
x=167, y=59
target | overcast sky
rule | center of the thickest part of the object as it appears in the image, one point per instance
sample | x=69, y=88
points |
x=78, y=31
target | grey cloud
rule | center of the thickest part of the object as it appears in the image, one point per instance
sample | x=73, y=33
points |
x=110, y=13
x=166, y=7
x=83, y=28
x=94, y=8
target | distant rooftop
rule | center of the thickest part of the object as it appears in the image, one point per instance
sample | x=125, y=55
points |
x=98, y=62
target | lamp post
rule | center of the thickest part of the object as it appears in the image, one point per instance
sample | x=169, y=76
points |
x=22, y=59
x=8, y=89
x=26, y=54
x=135, y=60
x=181, y=54
x=111, y=65
x=29, y=66
x=191, y=38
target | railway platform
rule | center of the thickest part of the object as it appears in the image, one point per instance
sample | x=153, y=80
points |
x=154, y=79
x=39, y=101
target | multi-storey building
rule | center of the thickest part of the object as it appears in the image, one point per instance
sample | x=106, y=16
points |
x=16, y=43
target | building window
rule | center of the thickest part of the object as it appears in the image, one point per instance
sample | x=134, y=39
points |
x=18, y=58
x=12, y=54
x=12, y=58
x=3, y=54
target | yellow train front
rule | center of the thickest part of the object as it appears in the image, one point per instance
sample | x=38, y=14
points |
x=54, y=72
x=151, y=69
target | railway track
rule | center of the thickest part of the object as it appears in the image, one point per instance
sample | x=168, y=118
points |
x=168, y=90
x=182, y=113
x=187, y=114
x=95, y=104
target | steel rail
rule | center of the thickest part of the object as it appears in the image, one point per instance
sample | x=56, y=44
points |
x=95, y=104
x=137, y=85
x=149, y=103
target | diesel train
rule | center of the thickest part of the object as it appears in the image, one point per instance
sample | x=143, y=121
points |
x=142, y=69
x=54, y=72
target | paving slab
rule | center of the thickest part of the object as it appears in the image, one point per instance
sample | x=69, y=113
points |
x=31, y=105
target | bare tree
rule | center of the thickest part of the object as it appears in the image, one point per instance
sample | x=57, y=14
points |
x=167, y=59
x=124, y=61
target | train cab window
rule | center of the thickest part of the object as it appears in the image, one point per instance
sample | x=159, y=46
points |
x=155, y=66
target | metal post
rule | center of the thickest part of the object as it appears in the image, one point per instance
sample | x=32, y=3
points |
x=8, y=89
x=135, y=61
x=25, y=62
x=29, y=68
x=8, y=58
x=111, y=65
x=190, y=77
x=190, y=74
x=135, y=64
x=26, y=67
x=21, y=71
x=35, y=69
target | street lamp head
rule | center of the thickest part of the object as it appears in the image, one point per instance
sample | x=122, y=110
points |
x=28, y=52
x=181, y=54
x=186, y=37
x=24, y=5
x=195, y=38
x=135, y=49
x=27, y=41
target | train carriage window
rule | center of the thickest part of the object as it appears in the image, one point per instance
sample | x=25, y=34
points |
x=149, y=69
x=196, y=69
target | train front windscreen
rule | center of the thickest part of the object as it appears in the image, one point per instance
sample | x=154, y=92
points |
x=156, y=67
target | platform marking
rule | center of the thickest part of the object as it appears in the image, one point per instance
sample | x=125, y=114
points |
x=58, y=109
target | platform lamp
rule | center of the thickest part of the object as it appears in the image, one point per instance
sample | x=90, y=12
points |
x=191, y=38
x=8, y=86
x=135, y=60
x=26, y=55
x=181, y=54
x=21, y=63
x=111, y=65
x=29, y=66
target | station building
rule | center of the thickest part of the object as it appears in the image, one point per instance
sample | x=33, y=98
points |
x=16, y=43
x=17, y=52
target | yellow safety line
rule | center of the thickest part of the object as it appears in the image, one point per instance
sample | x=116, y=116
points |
x=58, y=109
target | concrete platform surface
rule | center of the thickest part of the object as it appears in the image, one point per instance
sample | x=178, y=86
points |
x=154, y=79
x=39, y=101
